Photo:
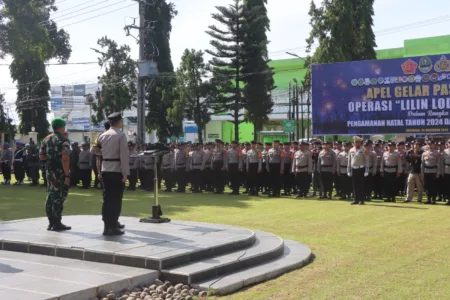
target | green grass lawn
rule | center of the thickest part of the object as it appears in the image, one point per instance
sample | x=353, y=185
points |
x=376, y=251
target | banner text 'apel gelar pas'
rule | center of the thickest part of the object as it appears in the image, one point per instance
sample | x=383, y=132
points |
x=392, y=96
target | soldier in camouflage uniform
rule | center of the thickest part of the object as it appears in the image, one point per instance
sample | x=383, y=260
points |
x=55, y=151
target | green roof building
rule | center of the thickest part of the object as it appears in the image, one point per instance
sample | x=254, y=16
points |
x=288, y=69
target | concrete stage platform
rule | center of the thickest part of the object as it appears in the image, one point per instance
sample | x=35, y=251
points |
x=207, y=256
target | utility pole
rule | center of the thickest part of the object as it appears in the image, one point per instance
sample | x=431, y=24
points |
x=289, y=110
x=141, y=80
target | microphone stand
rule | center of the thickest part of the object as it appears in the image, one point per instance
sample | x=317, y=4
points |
x=156, y=208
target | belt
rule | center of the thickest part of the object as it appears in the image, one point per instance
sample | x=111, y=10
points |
x=448, y=165
x=371, y=167
x=358, y=167
x=302, y=167
x=430, y=167
x=168, y=165
x=197, y=164
x=326, y=166
x=344, y=167
x=181, y=165
x=111, y=159
x=83, y=163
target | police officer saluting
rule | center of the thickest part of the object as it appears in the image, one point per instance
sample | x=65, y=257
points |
x=358, y=168
x=114, y=173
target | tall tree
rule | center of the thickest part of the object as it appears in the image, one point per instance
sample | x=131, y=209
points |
x=198, y=97
x=161, y=93
x=259, y=76
x=342, y=30
x=6, y=123
x=118, y=85
x=29, y=35
x=227, y=61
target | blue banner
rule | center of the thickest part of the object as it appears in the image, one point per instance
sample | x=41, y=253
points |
x=392, y=96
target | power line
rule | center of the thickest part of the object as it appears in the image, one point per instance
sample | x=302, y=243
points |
x=84, y=13
x=63, y=10
x=70, y=13
x=87, y=19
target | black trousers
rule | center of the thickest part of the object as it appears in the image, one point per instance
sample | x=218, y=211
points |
x=181, y=179
x=440, y=186
x=6, y=170
x=207, y=183
x=287, y=179
x=337, y=184
x=75, y=176
x=218, y=176
x=86, y=177
x=431, y=185
x=401, y=182
x=262, y=178
x=274, y=178
x=378, y=185
x=168, y=177
x=390, y=185
x=149, y=179
x=112, y=198
x=34, y=173
x=302, y=179
x=345, y=184
x=358, y=184
x=19, y=171
x=368, y=186
x=446, y=186
x=133, y=178
x=326, y=179
x=235, y=179
x=141, y=176
x=252, y=178
x=196, y=180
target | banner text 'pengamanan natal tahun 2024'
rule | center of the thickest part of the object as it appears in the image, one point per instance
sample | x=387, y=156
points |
x=392, y=96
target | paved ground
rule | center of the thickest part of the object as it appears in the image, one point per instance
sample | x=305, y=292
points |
x=153, y=246
x=38, y=277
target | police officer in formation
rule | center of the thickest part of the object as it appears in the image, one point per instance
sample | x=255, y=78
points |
x=253, y=166
x=357, y=169
x=34, y=164
x=391, y=168
x=345, y=182
x=302, y=167
x=19, y=163
x=75, y=175
x=85, y=165
x=5, y=163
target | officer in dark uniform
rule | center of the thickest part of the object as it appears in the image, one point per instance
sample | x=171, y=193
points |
x=19, y=164
x=113, y=147
x=74, y=167
x=34, y=164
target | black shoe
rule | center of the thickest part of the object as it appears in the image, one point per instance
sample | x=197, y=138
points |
x=61, y=227
x=354, y=203
x=120, y=226
x=361, y=203
x=50, y=223
x=113, y=232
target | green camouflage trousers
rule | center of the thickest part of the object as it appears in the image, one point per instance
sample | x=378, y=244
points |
x=56, y=193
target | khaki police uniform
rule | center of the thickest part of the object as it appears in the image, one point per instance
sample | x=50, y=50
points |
x=197, y=165
x=181, y=167
x=391, y=165
x=357, y=168
x=113, y=148
x=234, y=165
x=253, y=165
x=219, y=163
x=275, y=166
x=327, y=167
x=302, y=168
x=168, y=170
x=345, y=182
x=431, y=168
x=85, y=167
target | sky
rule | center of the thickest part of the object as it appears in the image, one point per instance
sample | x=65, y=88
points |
x=87, y=21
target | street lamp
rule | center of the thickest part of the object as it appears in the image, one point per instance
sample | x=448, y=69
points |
x=302, y=90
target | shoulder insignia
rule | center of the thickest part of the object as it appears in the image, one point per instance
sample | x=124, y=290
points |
x=282, y=154
x=259, y=155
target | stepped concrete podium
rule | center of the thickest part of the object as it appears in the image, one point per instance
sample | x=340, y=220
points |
x=206, y=256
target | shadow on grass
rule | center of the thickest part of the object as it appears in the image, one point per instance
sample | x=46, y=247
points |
x=395, y=206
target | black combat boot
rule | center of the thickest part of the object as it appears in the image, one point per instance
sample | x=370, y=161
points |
x=50, y=223
x=58, y=226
